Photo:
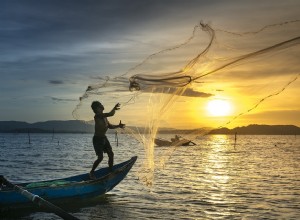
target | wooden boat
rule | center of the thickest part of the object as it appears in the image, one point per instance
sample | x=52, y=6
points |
x=80, y=186
x=180, y=142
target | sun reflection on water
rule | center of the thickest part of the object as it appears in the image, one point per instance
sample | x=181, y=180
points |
x=219, y=169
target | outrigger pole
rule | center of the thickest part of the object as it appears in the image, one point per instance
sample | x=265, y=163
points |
x=38, y=200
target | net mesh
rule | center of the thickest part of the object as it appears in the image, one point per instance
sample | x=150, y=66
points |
x=172, y=87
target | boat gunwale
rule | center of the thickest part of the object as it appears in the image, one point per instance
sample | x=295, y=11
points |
x=105, y=177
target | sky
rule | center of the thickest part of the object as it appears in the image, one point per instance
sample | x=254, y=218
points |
x=52, y=50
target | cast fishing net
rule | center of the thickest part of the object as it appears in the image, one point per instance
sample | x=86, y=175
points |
x=172, y=87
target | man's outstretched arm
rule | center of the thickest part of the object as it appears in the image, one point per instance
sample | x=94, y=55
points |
x=113, y=111
x=120, y=125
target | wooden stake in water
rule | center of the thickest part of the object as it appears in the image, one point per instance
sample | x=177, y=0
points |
x=29, y=142
x=116, y=138
x=235, y=135
x=52, y=134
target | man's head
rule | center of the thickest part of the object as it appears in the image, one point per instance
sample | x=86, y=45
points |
x=96, y=105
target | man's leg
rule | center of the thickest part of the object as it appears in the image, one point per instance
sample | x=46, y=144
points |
x=96, y=163
x=110, y=155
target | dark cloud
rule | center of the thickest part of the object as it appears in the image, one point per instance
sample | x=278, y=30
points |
x=62, y=99
x=48, y=24
x=56, y=82
x=192, y=93
x=70, y=36
x=189, y=92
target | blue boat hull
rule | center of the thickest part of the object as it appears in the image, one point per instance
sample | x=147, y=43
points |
x=79, y=186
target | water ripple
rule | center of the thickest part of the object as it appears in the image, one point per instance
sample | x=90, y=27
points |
x=259, y=179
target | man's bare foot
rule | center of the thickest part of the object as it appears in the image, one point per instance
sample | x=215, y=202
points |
x=92, y=175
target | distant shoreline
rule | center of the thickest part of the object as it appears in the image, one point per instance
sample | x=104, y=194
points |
x=32, y=133
x=260, y=130
x=83, y=127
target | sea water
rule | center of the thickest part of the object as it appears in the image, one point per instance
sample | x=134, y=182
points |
x=258, y=177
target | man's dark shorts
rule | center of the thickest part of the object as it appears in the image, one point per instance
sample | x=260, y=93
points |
x=101, y=144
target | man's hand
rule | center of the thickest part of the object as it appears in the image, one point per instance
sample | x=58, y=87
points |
x=117, y=106
x=121, y=125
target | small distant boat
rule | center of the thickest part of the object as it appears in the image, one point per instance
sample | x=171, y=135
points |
x=177, y=141
x=80, y=186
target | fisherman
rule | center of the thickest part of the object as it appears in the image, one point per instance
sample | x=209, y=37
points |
x=175, y=139
x=100, y=141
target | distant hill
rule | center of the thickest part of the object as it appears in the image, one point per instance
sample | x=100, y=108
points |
x=76, y=126
x=71, y=126
x=260, y=130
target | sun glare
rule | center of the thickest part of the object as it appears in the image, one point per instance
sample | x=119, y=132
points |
x=218, y=107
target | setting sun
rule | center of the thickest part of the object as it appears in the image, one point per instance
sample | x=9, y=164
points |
x=218, y=107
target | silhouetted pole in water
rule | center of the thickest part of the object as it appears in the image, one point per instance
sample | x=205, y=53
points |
x=29, y=142
x=235, y=135
x=116, y=138
x=38, y=200
x=52, y=134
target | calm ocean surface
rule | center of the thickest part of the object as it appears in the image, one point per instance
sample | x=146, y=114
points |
x=259, y=178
